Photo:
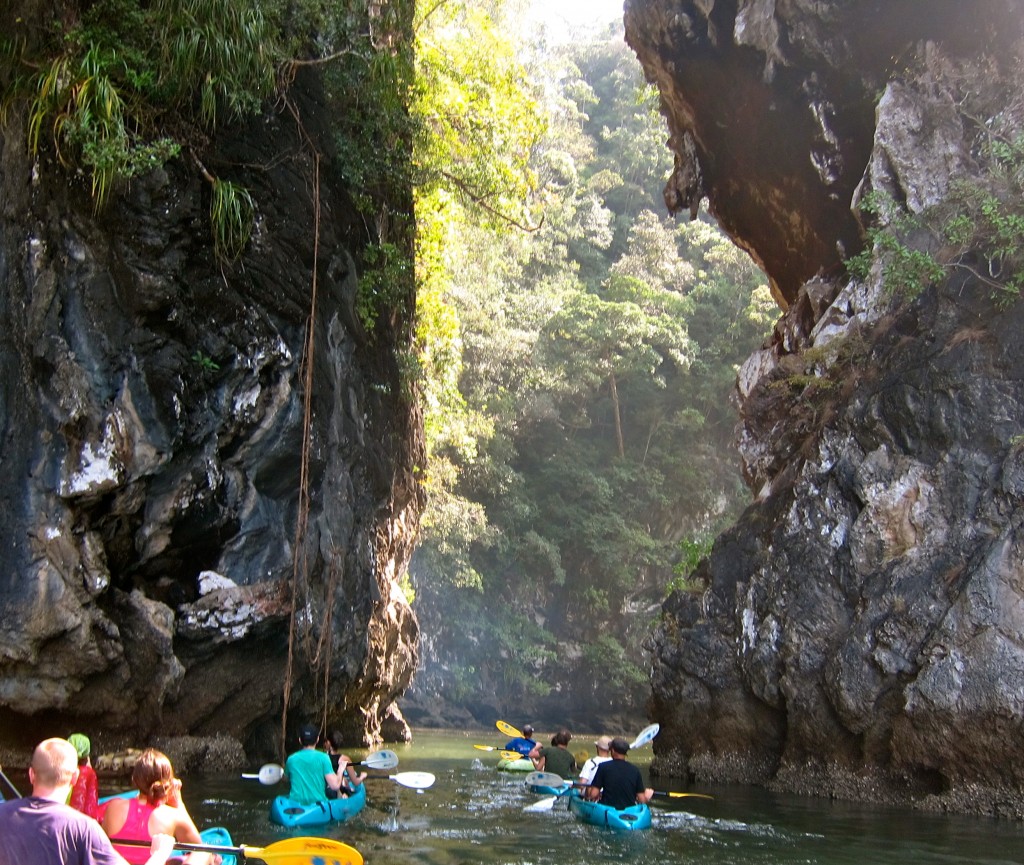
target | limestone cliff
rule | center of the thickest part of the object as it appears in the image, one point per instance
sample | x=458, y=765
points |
x=160, y=523
x=861, y=631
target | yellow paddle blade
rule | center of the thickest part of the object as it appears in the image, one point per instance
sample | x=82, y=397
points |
x=291, y=851
x=485, y=747
x=681, y=795
x=508, y=729
x=305, y=851
x=511, y=755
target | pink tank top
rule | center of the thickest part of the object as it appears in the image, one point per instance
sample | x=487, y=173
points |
x=136, y=828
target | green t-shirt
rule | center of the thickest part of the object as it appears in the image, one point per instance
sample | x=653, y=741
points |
x=306, y=770
x=560, y=761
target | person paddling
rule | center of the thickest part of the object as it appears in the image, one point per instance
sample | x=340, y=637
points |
x=522, y=744
x=603, y=745
x=617, y=783
x=557, y=759
x=158, y=809
x=85, y=792
x=309, y=771
x=343, y=767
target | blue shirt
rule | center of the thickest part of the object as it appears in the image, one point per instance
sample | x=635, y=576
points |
x=521, y=745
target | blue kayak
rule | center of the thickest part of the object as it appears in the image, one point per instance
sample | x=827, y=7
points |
x=288, y=812
x=220, y=836
x=545, y=790
x=629, y=819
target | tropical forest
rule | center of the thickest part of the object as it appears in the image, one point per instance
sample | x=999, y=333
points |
x=582, y=353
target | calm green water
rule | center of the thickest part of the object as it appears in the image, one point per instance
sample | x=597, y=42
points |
x=475, y=814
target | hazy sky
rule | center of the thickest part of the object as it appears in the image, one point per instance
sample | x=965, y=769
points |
x=561, y=14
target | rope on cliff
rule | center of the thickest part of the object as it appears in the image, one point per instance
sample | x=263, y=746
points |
x=326, y=629
x=299, y=562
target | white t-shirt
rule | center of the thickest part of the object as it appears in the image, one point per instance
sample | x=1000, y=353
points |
x=590, y=767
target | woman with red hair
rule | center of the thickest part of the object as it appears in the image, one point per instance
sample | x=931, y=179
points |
x=157, y=809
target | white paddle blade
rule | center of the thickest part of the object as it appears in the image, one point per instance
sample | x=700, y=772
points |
x=416, y=780
x=646, y=735
x=545, y=804
x=270, y=773
x=543, y=779
x=381, y=760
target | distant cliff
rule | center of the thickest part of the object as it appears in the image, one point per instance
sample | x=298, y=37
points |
x=176, y=480
x=861, y=629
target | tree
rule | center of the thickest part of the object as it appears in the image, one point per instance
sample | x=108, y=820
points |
x=601, y=349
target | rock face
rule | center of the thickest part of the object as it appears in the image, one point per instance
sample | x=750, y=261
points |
x=155, y=533
x=861, y=633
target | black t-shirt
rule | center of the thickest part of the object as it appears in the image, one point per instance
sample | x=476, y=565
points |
x=619, y=782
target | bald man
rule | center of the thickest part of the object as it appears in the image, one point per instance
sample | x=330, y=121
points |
x=42, y=830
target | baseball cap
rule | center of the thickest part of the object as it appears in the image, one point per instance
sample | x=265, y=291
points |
x=604, y=743
x=81, y=744
x=527, y=729
x=619, y=746
x=308, y=734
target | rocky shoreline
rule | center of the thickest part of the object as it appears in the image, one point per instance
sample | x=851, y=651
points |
x=833, y=781
x=190, y=755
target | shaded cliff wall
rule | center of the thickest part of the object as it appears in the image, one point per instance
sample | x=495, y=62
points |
x=153, y=421
x=861, y=631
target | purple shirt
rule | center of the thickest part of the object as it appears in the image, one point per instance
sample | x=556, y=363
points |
x=36, y=831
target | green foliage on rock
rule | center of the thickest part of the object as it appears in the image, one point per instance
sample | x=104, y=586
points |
x=131, y=85
x=107, y=89
x=977, y=223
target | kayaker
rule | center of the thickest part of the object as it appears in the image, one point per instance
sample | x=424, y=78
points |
x=86, y=790
x=42, y=830
x=343, y=767
x=617, y=783
x=158, y=809
x=557, y=759
x=309, y=771
x=603, y=745
x=522, y=744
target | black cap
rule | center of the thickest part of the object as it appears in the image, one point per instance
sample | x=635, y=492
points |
x=620, y=746
x=527, y=730
x=308, y=734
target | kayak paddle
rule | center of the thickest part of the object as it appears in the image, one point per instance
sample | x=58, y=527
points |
x=505, y=755
x=681, y=795
x=9, y=784
x=546, y=779
x=646, y=735
x=270, y=773
x=291, y=851
x=509, y=730
x=550, y=779
x=380, y=760
x=416, y=780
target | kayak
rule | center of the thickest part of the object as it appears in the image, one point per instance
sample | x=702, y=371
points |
x=546, y=790
x=634, y=817
x=288, y=812
x=220, y=836
x=523, y=764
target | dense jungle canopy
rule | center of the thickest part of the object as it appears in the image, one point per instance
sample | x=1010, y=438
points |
x=580, y=431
